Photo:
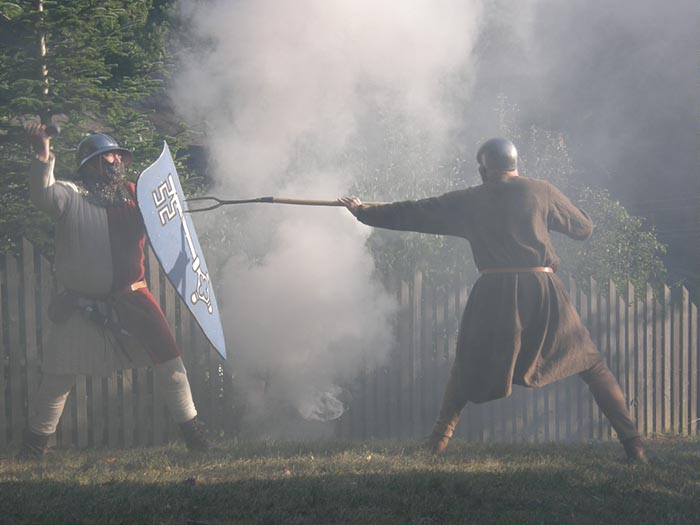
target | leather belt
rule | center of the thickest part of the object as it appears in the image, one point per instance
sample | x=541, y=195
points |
x=116, y=293
x=141, y=284
x=131, y=288
x=532, y=269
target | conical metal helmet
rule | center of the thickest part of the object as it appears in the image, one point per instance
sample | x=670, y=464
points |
x=498, y=154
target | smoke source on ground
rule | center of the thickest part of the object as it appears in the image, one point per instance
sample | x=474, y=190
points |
x=282, y=87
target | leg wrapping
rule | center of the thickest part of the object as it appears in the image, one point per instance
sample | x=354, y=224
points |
x=172, y=377
x=608, y=394
x=49, y=402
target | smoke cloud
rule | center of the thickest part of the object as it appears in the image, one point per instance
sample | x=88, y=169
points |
x=291, y=90
x=287, y=90
x=620, y=81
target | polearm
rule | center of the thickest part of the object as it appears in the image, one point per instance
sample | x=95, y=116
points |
x=268, y=200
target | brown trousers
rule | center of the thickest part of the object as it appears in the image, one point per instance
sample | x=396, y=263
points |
x=600, y=380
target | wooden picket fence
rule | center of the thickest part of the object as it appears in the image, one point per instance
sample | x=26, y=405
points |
x=124, y=410
x=651, y=346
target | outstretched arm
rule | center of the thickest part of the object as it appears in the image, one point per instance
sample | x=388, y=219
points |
x=443, y=215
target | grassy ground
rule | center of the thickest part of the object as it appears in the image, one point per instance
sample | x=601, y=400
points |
x=357, y=483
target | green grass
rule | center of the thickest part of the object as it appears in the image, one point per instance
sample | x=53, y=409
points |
x=376, y=482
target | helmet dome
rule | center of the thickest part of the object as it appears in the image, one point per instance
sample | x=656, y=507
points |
x=498, y=154
x=97, y=144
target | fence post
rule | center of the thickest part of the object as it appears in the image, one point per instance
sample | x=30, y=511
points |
x=594, y=304
x=16, y=355
x=584, y=410
x=574, y=388
x=676, y=343
x=158, y=414
x=634, y=358
x=429, y=361
x=647, y=387
x=693, y=366
x=667, y=360
x=4, y=420
x=658, y=362
x=684, y=374
x=404, y=359
x=30, y=320
x=417, y=371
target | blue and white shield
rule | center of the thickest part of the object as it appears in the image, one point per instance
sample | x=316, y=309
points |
x=175, y=244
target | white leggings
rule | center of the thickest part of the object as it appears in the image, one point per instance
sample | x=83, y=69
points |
x=51, y=398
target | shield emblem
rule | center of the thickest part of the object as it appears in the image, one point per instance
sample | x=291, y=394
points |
x=175, y=244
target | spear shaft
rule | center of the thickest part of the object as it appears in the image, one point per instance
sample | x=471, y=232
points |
x=268, y=200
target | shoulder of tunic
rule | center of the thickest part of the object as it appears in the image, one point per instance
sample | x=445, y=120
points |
x=538, y=185
x=69, y=185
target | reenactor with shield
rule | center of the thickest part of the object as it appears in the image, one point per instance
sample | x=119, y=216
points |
x=104, y=317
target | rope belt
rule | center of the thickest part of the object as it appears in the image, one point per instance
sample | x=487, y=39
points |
x=532, y=269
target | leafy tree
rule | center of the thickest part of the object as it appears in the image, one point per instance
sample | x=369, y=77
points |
x=401, y=163
x=94, y=65
x=621, y=249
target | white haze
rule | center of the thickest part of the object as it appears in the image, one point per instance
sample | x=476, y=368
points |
x=287, y=90
x=282, y=86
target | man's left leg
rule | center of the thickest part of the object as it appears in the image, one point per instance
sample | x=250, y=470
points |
x=609, y=397
x=172, y=377
x=452, y=405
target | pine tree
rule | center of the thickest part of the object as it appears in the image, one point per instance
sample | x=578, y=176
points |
x=93, y=65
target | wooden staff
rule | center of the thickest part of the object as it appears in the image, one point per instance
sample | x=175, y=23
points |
x=269, y=200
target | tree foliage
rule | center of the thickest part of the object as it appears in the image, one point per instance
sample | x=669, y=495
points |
x=622, y=248
x=106, y=61
x=402, y=163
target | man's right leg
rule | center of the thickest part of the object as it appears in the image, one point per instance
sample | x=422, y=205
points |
x=452, y=405
x=609, y=397
x=47, y=409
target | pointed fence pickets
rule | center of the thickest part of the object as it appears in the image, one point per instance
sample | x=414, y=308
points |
x=650, y=343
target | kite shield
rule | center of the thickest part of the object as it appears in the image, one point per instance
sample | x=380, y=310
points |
x=174, y=242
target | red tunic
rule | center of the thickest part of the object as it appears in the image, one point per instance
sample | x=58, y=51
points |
x=139, y=313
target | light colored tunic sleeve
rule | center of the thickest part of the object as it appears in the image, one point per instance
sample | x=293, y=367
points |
x=45, y=192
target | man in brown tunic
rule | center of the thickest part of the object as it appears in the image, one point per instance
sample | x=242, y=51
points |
x=519, y=325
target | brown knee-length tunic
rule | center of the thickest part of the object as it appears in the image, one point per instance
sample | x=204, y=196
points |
x=517, y=327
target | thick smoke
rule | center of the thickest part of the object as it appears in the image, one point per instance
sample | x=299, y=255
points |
x=287, y=90
x=291, y=90
x=620, y=81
